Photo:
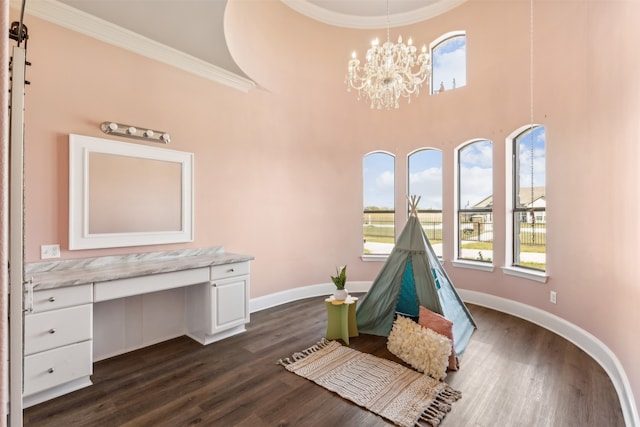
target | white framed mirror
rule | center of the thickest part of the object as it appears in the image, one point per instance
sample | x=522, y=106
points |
x=123, y=194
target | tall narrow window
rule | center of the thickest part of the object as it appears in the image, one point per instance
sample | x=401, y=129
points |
x=529, y=219
x=449, y=59
x=378, y=226
x=475, y=201
x=425, y=180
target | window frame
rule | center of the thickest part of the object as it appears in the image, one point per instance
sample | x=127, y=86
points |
x=512, y=174
x=457, y=259
x=379, y=256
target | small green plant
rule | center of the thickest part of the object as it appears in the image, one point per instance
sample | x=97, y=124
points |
x=340, y=279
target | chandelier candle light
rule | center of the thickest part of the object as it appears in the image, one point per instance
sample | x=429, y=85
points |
x=391, y=71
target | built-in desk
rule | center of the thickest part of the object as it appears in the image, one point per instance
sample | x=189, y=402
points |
x=60, y=298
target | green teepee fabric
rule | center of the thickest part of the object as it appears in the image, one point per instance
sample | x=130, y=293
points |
x=412, y=277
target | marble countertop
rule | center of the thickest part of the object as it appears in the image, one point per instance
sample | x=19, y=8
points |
x=47, y=275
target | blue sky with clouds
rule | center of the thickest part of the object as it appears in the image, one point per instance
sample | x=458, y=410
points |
x=476, y=173
x=379, y=171
x=425, y=178
x=524, y=142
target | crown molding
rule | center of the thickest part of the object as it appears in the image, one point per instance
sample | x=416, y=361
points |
x=84, y=23
x=320, y=14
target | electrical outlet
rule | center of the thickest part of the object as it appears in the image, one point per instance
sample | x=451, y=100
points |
x=49, y=251
x=552, y=297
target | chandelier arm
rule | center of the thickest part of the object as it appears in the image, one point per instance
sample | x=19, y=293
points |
x=361, y=86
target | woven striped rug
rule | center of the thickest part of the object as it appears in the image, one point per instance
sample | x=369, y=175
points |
x=399, y=394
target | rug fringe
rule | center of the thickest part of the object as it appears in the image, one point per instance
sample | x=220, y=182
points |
x=439, y=408
x=304, y=353
x=449, y=395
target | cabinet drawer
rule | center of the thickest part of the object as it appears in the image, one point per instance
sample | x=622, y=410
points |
x=229, y=270
x=55, y=367
x=51, y=329
x=122, y=288
x=53, y=299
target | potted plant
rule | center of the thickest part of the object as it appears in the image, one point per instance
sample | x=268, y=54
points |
x=340, y=280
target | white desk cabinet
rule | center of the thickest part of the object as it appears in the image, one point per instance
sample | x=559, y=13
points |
x=220, y=308
x=58, y=331
x=59, y=312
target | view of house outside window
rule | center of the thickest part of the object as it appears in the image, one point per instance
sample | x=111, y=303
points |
x=378, y=223
x=425, y=180
x=475, y=201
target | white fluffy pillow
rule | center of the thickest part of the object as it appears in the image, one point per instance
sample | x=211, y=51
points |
x=425, y=350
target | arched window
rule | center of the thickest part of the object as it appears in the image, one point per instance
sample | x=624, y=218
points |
x=449, y=62
x=425, y=180
x=378, y=226
x=475, y=201
x=526, y=199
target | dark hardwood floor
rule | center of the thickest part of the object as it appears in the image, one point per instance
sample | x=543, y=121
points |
x=513, y=374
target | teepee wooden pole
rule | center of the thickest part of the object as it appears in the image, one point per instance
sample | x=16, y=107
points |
x=413, y=205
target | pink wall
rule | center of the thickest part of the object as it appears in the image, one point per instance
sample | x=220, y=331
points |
x=278, y=171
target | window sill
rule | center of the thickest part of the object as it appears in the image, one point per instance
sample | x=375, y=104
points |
x=482, y=266
x=374, y=258
x=538, y=276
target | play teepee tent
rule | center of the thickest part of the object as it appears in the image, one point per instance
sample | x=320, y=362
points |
x=413, y=277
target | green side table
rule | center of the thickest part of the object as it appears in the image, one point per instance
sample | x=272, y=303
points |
x=341, y=319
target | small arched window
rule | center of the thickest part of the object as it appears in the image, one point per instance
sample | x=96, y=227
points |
x=378, y=226
x=449, y=62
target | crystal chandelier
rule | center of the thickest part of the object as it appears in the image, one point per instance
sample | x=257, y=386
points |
x=391, y=71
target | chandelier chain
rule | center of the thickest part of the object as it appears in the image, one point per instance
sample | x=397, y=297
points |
x=388, y=22
x=531, y=98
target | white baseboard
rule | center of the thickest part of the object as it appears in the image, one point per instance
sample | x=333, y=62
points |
x=578, y=336
x=43, y=396
x=295, y=294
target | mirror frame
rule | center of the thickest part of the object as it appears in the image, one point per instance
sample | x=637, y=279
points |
x=80, y=147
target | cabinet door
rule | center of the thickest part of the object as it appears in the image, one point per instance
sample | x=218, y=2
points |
x=229, y=303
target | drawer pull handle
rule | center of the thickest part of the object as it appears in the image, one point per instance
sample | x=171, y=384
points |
x=52, y=331
x=231, y=270
x=51, y=370
x=52, y=299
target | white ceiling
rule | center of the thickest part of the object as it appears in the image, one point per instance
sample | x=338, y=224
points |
x=371, y=7
x=371, y=13
x=195, y=27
